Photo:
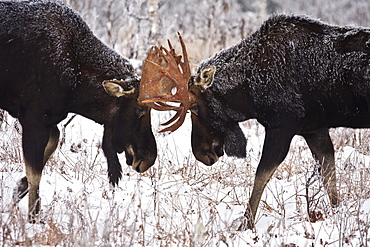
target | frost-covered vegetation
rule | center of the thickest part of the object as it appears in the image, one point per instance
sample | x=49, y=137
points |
x=179, y=201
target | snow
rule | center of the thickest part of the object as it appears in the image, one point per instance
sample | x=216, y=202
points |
x=180, y=202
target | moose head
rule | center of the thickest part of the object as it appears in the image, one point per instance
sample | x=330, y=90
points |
x=166, y=80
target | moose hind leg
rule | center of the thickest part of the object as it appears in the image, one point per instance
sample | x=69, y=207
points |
x=322, y=150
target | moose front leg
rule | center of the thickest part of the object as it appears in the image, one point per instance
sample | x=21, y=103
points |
x=275, y=149
x=22, y=186
x=38, y=144
x=322, y=150
x=33, y=177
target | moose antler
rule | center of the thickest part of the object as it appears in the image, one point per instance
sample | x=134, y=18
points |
x=165, y=79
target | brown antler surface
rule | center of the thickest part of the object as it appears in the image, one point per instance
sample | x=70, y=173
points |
x=165, y=79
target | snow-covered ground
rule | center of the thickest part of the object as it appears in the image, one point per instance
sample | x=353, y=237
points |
x=179, y=201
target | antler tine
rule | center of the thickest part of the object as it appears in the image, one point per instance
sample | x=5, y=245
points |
x=166, y=55
x=186, y=67
x=170, y=57
x=180, y=116
x=160, y=106
x=173, y=53
x=170, y=45
x=176, y=116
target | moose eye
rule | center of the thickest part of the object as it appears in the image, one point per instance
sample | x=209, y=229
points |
x=194, y=109
x=140, y=113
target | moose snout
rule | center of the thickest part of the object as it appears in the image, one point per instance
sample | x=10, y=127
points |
x=140, y=160
x=208, y=154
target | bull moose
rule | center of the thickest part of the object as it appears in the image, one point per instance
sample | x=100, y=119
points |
x=52, y=64
x=295, y=75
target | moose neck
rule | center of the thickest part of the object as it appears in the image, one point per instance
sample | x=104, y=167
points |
x=97, y=63
x=230, y=92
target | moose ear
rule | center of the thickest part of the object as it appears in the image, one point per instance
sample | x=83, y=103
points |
x=114, y=88
x=205, y=77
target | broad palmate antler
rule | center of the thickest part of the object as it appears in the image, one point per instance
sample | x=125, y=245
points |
x=165, y=79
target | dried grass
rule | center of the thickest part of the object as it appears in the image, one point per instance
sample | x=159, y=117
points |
x=180, y=202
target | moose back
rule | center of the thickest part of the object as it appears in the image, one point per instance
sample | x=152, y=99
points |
x=52, y=64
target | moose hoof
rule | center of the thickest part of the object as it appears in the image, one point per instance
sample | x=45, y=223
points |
x=21, y=190
x=242, y=224
x=36, y=218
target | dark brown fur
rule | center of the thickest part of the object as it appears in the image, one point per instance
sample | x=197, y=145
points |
x=296, y=76
x=51, y=64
